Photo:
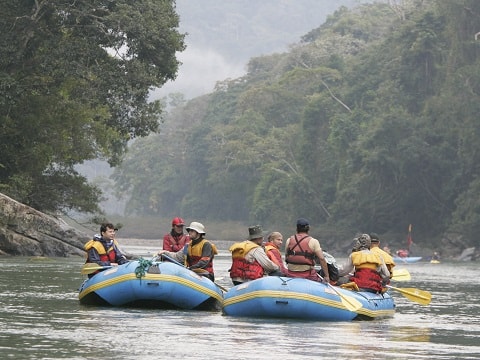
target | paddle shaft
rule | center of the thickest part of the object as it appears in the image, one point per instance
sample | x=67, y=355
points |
x=172, y=260
x=90, y=268
x=350, y=303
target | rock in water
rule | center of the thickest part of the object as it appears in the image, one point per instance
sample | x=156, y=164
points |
x=25, y=231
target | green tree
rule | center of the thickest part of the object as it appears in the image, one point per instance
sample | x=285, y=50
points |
x=75, y=79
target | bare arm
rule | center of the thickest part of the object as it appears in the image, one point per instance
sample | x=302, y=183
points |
x=323, y=264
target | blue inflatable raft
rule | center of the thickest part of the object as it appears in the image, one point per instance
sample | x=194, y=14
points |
x=283, y=297
x=146, y=284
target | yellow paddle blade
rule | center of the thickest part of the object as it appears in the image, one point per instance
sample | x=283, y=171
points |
x=420, y=296
x=349, y=302
x=401, y=275
x=90, y=268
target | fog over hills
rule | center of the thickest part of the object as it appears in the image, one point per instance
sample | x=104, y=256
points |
x=222, y=35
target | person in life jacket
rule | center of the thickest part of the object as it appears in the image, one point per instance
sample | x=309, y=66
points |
x=272, y=249
x=198, y=254
x=103, y=249
x=300, y=252
x=387, y=258
x=369, y=269
x=175, y=240
x=403, y=253
x=249, y=260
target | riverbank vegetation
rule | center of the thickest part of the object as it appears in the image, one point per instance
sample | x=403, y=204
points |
x=369, y=124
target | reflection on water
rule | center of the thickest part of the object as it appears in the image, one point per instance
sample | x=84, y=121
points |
x=411, y=334
x=41, y=318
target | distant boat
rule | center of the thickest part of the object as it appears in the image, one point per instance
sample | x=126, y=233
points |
x=402, y=255
x=434, y=261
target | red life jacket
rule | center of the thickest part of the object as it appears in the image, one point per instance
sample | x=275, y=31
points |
x=175, y=243
x=366, y=275
x=298, y=251
x=241, y=268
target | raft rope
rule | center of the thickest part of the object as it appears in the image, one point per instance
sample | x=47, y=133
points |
x=142, y=267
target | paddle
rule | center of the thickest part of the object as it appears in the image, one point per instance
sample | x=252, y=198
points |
x=420, y=296
x=90, y=268
x=349, y=302
x=401, y=275
x=197, y=271
x=166, y=257
x=203, y=273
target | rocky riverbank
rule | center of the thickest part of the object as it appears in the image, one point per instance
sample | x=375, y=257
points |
x=25, y=231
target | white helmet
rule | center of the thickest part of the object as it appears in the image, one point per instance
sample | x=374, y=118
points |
x=196, y=226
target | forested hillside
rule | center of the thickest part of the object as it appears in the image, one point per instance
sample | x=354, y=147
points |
x=369, y=124
x=75, y=81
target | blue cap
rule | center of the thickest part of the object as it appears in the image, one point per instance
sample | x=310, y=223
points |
x=302, y=222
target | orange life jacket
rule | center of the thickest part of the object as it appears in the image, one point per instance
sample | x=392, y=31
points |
x=274, y=254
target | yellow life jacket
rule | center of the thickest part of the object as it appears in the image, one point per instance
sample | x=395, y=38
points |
x=366, y=260
x=384, y=255
x=241, y=249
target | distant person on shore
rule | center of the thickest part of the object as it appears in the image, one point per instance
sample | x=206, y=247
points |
x=176, y=239
x=103, y=249
x=249, y=260
x=272, y=249
x=301, y=252
x=369, y=270
x=375, y=248
x=198, y=254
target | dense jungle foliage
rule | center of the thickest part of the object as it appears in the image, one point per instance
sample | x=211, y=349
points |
x=369, y=124
x=75, y=80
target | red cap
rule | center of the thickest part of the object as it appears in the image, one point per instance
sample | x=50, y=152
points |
x=178, y=221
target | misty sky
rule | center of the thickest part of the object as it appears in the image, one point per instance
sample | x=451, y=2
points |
x=200, y=70
x=210, y=27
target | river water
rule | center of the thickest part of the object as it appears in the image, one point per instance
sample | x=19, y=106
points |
x=41, y=318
